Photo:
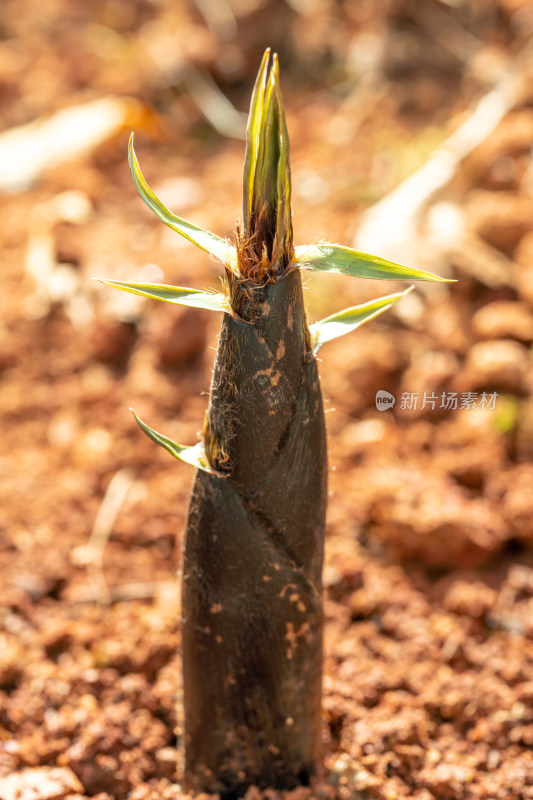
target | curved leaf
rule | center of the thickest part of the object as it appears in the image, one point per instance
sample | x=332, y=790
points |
x=345, y=261
x=267, y=218
x=194, y=455
x=351, y=318
x=284, y=232
x=253, y=138
x=210, y=242
x=181, y=295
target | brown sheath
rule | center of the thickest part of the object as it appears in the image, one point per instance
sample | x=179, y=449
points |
x=252, y=606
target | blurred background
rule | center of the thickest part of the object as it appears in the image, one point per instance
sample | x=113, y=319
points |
x=411, y=127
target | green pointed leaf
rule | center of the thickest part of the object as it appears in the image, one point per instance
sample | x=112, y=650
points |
x=181, y=295
x=265, y=183
x=350, y=318
x=253, y=138
x=345, y=261
x=267, y=222
x=284, y=218
x=212, y=244
x=194, y=455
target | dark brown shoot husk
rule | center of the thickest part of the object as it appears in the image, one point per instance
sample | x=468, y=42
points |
x=252, y=608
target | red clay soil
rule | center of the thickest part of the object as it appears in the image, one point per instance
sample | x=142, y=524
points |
x=428, y=690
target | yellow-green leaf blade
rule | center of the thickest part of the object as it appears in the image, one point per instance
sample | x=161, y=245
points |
x=267, y=238
x=181, y=295
x=253, y=138
x=351, y=318
x=210, y=242
x=194, y=455
x=326, y=257
x=284, y=233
